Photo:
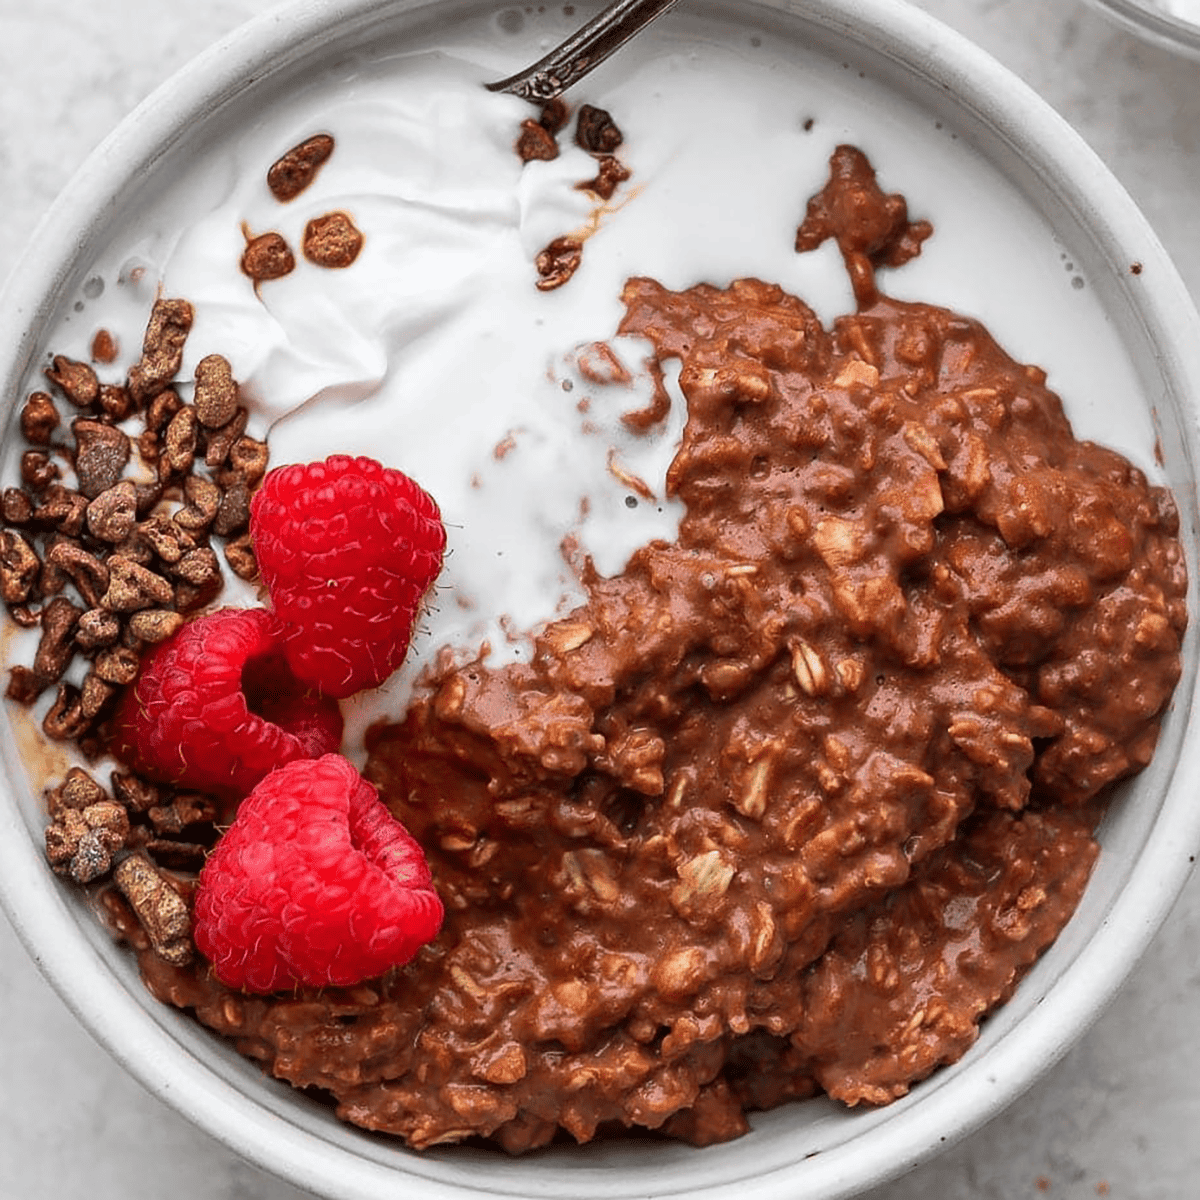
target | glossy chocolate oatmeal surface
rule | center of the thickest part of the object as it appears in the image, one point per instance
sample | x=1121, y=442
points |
x=794, y=800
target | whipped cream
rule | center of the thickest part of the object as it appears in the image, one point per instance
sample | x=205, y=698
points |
x=435, y=352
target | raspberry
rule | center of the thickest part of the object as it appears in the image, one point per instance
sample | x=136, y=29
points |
x=315, y=883
x=347, y=549
x=215, y=707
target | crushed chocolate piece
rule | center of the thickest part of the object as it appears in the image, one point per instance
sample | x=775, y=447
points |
x=117, y=665
x=19, y=568
x=132, y=586
x=248, y=460
x=162, y=409
x=160, y=908
x=239, y=554
x=536, y=143
x=63, y=510
x=184, y=809
x=66, y=721
x=168, y=852
x=51, y=582
x=595, y=130
x=104, y=347
x=136, y=547
x=178, y=450
x=233, y=512
x=137, y=794
x=94, y=694
x=191, y=596
x=162, y=349
x=25, y=616
x=39, y=418
x=203, y=501
x=293, y=171
x=77, y=790
x=86, y=571
x=112, y=515
x=38, y=472
x=16, y=506
x=148, y=496
x=554, y=114
x=610, y=174
x=116, y=404
x=54, y=651
x=155, y=625
x=216, y=396
x=168, y=539
x=267, y=256
x=198, y=567
x=558, y=262
x=24, y=687
x=332, y=240
x=97, y=629
x=81, y=843
x=101, y=453
x=219, y=442
x=148, y=448
x=76, y=380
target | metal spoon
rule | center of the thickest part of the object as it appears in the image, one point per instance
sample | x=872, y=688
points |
x=583, y=50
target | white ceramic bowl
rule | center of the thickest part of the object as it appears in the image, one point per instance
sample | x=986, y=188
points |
x=989, y=124
x=1167, y=23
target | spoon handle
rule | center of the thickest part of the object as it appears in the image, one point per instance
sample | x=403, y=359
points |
x=583, y=50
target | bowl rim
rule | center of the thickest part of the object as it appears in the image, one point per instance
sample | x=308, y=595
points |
x=1155, y=25
x=44, y=920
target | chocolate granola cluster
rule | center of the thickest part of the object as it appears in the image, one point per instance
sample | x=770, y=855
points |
x=598, y=134
x=331, y=240
x=112, y=537
x=133, y=501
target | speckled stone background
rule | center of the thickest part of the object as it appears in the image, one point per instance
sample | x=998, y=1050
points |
x=1118, y=1117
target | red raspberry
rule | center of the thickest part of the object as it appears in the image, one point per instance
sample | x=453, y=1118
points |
x=315, y=883
x=215, y=707
x=348, y=549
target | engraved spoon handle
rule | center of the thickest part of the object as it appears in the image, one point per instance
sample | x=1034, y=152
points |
x=583, y=50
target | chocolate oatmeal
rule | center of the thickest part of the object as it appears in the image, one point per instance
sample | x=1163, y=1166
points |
x=792, y=802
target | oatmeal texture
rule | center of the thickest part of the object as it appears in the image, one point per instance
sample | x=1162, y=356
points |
x=792, y=802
